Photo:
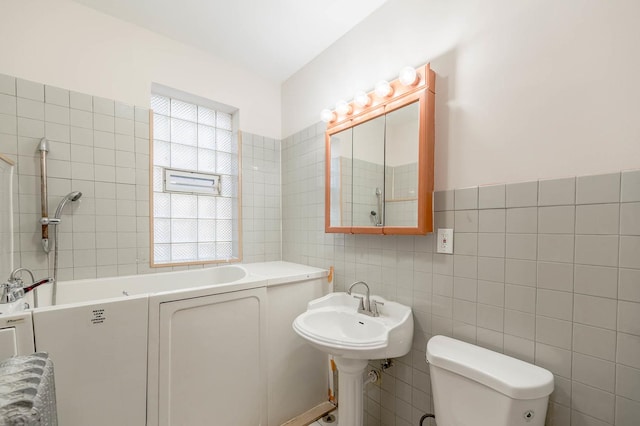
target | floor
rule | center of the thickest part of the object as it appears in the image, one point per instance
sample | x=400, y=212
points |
x=322, y=421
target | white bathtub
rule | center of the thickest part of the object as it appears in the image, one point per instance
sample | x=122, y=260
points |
x=181, y=348
x=223, y=278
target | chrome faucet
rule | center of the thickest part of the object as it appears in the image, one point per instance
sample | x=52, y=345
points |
x=365, y=301
x=14, y=289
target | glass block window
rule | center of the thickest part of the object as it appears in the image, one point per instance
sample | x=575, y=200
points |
x=194, y=227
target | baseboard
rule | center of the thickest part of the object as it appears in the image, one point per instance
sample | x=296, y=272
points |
x=311, y=415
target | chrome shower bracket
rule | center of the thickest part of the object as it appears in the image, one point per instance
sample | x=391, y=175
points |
x=45, y=245
x=49, y=221
x=46, y=221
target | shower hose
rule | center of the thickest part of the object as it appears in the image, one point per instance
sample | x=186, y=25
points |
x=425, y=417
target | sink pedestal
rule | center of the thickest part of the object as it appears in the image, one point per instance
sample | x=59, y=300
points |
x=350, y=396
x=333, y=325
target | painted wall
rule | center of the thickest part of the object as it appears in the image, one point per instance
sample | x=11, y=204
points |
x=525, y=90
x=64, y=44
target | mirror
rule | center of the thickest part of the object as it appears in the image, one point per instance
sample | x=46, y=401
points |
x=340, y=183
x=367, y=184
x=402, y=130
x=379, y=172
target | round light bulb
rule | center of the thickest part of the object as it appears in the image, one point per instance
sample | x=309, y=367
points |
x=343, y=108
x=383, y=89
x=408, y=76
x=361, y=99
x=327, y=115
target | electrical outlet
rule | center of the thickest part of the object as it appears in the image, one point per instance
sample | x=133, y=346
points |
x=445, y=241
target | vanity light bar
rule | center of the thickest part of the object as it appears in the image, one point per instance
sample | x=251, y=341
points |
x=409, y=80
x=383, y=89
x=362, y=99
x=409, y=76
x=327, y=115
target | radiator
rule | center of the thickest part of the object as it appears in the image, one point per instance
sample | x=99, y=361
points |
x=27, y=391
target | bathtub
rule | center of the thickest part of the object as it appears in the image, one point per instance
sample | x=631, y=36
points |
x=223, y=278
x=182, y=348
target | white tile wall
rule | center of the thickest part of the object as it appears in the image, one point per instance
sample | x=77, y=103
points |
x=543, y=279
x=101, y=147
x=261, y=198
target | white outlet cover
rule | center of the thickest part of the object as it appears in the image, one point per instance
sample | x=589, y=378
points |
x=445, y=241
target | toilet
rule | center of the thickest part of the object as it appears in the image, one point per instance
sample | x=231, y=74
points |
x=473, y=386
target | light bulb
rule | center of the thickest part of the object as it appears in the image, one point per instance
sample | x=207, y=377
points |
x=327, y=115
x=408, y=76
x=383, y=89
x=343, y=108
x=361, y=99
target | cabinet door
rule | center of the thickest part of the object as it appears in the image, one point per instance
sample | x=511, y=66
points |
x=212, y=363
x=402, y=129
x=339, y=184
x=368, y=169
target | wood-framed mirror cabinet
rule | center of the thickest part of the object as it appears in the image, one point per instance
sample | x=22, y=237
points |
x=379, y=163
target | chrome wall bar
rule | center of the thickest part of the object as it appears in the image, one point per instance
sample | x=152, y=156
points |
x=44, y=150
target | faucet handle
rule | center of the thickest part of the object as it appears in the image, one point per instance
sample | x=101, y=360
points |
x=374, y=307
x=15, y=278
x=16, y=282
x=361, y=307
x=4, y=292
x=11, y=291
x=36, y=284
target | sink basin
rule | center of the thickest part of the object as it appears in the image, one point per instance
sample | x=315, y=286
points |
x=333, y=325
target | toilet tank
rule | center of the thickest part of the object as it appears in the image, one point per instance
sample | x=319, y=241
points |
x=475, y=386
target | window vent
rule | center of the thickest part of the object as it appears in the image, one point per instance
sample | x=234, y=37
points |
x=191, y=182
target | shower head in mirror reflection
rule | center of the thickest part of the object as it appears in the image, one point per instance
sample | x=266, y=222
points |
x=375, y=217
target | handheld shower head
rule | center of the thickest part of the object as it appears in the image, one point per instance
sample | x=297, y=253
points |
x=72, y=196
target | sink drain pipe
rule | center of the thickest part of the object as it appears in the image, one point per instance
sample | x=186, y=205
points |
x=373, y=376
x=425, y=417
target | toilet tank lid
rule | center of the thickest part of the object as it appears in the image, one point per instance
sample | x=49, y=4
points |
x=510, y=376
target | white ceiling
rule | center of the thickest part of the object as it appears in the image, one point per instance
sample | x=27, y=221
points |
x=274, y=38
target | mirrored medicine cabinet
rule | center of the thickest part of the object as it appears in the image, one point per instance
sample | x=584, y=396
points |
x=379, y=163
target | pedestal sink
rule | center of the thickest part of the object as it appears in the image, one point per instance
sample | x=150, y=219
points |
x=333, y=325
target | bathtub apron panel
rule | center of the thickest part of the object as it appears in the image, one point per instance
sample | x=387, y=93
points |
x=297, y=371
x=99, y=351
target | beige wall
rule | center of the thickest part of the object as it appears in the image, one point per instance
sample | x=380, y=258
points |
x=64, y=44
x=525, y=89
